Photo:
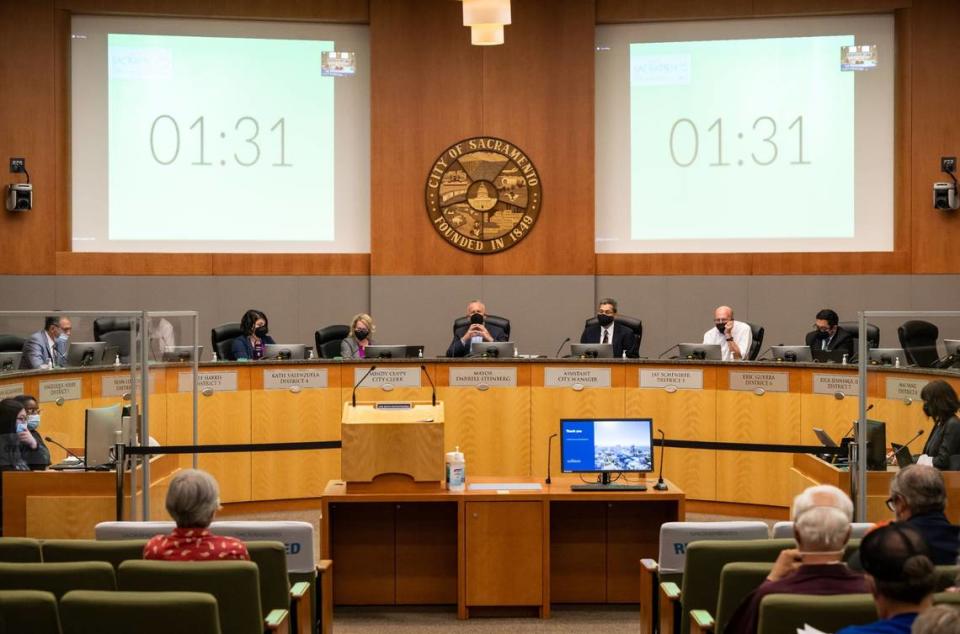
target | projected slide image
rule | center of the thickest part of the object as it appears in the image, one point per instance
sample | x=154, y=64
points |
x=617, y=447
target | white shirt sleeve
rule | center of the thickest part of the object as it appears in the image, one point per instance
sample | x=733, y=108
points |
x=744, y=338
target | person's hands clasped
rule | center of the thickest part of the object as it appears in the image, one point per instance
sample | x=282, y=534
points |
x=786, y=564
x=476, y=330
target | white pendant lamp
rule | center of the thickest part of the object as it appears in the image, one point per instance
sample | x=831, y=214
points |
x=486, y=12
x=486, y=34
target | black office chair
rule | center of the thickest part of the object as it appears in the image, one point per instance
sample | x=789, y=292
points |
x=11, y=343
x=115, y=331
x=328, y=340
x=501, y=322
x=632, y=323
x=757, y=343
x=221, y=339
x=853, y=327
x=919, y=342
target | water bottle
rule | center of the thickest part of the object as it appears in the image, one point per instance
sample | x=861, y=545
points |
x=896, y=361
x=116, y=361
x=456, y=470
x=844, y=360
x=214, y=357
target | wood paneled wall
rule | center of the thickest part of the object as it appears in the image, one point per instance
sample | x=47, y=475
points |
x=431, y=88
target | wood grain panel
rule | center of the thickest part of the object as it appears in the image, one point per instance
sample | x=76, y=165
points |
x=425, y=89
x=69, y=263
x=578, y=552
x=613, y=11
x=821, y=7
x=67, y=517
x=553, y=122
x=321, y=10
x=157, y=405
x=426, y=553
x=504, y=553
x=683, y=415
x=291, y=264
x=633, y=532
x=362, y=541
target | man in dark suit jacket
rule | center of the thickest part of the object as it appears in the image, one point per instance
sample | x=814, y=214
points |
x=478, y=330
x=607, y=330
x=828, y=335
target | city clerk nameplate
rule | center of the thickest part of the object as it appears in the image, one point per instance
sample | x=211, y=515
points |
x=67, y=389
x=10, y=390
x=577, y=378
x=904, y=388
x=677, y=379
x=831, y=384
x=214, y=381
x=285, y=379
x=766, y=381
x=119, y=384
x=483, y=377
x=388, y=378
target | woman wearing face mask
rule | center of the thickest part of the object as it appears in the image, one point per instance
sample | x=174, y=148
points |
x=32, y=448
x=361, y=336
x=249, y=346
x=943, y=446
x=12, y=418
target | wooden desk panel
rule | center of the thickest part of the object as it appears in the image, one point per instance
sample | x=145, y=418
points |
x=157, y=404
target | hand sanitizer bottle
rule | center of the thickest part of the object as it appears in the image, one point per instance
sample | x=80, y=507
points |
x=214, y=357
x=116, y=361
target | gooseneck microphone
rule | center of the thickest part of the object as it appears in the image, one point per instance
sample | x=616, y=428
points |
x=763, y=358
x=557, y=356
x=894, y=453
x=54, y=442
x=854, y=425
x=423, y=368
x=673, y=347
x=549, y=448
x=661, y=485
x=362, y=379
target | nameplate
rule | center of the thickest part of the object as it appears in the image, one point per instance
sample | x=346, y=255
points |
x=833, y=383
x=215, y=381
x=483, y=377
x=118, y=385
x=10, y=390
x=285, y=379
x=67, y=389
x=766, y=381
x=904, y=388
x=577, y=378
x=388, y=378
x=676, y=379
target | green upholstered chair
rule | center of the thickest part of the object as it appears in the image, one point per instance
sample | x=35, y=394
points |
x=19, y=550
x=235, y=584
x=946, y=576
x=58, y=578
x=948, y=598
x=112, y=552
x=786, y=612
x=276, y=593
x=91, y=612
x=33, y=611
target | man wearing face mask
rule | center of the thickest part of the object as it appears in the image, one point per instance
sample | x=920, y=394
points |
x=48, y=347
x=32, y=448
x=478, y=331
x=606, y=330
x=734, y=337
x=828, y=335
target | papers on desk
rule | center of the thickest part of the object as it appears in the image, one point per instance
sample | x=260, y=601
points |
x=505, y=486
x=808, y=629
x=925, y=459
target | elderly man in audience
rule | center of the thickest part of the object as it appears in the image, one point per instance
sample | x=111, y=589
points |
x=821, y=524
x=192, y=500
x=899, y=574
x=918, y=497
x=940, y=619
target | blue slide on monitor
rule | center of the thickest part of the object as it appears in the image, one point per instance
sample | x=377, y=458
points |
x=605, y=446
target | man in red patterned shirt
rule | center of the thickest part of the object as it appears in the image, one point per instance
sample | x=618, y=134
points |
x=192, y=500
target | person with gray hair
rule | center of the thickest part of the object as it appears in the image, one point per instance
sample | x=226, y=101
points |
x=918, y=497
x=939, y=619
x=192, y=500
x=821, y=524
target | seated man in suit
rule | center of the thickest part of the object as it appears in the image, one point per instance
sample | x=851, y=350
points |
x=47, y=348
x=477, y=331
x=608, y=331
x=828, y=335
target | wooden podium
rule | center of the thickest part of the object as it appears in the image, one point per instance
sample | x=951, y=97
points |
x=392, y=446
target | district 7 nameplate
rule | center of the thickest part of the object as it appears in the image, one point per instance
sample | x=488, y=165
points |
x=833, y=383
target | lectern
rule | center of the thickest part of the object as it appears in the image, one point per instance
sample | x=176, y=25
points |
x=392, y=446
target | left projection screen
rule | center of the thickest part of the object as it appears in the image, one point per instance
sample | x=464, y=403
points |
x=219, y=136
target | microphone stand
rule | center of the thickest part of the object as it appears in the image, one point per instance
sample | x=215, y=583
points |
x=673, y=347
x=549, y=454
x=557, y=356
x=362, y=379
x=661, y=485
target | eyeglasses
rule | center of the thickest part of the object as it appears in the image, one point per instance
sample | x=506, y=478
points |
x=890, y=504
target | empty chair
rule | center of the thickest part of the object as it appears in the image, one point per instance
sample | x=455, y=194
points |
x=113, y=552
x=91, y=612
x=116, y=332
x=784, y=530
x=11, y=343
x=853, y=327
x=276, y=593
x=19, y=550
x=787, y=612
x=328, y=340
x=756, y=332
x=221, y=340
x=919, y=342
x=58, y=578
x=33, y=611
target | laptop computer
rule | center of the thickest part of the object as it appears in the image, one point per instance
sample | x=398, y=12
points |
x=902, y=454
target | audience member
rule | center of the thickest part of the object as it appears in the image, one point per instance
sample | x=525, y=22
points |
x=249, y=346
x=478, y=331
x=47, y=348
x=359, y=337
x=32, y=448
x=821, y=524
x=192, y=501
x=899, y=574
x=607, y=330
x=918, y=497
x=734, y=337
x=943, y=446
x=939, y=619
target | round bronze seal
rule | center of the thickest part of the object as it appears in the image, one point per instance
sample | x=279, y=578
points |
x=483, y=195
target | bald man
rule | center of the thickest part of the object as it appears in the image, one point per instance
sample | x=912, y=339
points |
x=478, y=331
x=734, y=337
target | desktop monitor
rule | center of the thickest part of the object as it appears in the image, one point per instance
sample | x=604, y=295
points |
x=9, y=361
x=591, y=350
x=392, y=352
x=887, y=356
x=829, y=356
x=792, y=353
x=952, y=345
x=85, y=353
x=100, y=435
x=496, y=349
x=702, y=351
x=606, y=445
x=181, y=354
x=876, y=445
x=285, y=351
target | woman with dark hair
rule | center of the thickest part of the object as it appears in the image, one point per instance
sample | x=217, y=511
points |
x=941, y=404
x=32, y=448
x=12, y=419
x=249, y=346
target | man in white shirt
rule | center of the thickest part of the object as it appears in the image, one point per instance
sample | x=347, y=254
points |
x=734, y=337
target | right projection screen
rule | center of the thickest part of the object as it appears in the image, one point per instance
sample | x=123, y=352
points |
x=745, y=136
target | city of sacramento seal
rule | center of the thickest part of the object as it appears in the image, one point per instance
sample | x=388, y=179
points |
x=483, y=195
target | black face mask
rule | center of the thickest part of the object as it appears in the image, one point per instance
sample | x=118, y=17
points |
x=722, y=328
x=476, y=318
x=605, y=320
x=928, y=410
x=261, y=331
x=823, y=334
x=361, y=334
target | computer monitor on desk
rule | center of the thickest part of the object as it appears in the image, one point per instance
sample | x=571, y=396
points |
x=591, y=350
x=701, y=351
x=100, y=435
x=392, y=352
x=285, y=351
x=9, y=361
x=606, y=446
x=496, y=349
x=85, y=353
x=180, y=354
x=792, y=353
x=888, y=356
